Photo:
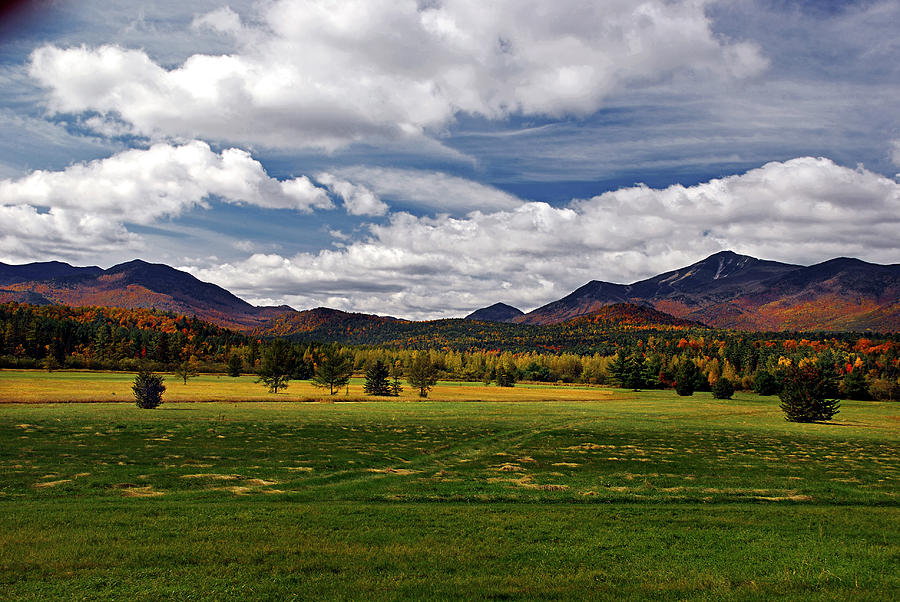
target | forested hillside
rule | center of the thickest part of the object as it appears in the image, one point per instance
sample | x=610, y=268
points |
x=591, y=350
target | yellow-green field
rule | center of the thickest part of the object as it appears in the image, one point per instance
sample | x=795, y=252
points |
x=580, y=493
x=37, y=386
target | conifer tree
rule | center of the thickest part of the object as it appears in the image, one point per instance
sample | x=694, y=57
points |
x=148, y=389
x=277, y=365
x=803, y=395
x=377, y=379
x=686, y=377
x=396, y=375
x=422, y=374
x=333, y=370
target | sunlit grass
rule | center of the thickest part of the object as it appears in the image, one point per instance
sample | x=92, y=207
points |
x=36, y=386
x=608, y=493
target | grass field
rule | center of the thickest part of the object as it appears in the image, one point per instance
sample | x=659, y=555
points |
x=576, y=493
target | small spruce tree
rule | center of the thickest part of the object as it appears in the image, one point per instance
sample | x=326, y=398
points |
x=377, y=379
x=235, y=365
x=148, y=389
x=722, y=389
x=803, y=395
x=396, y=375
x=686, y=377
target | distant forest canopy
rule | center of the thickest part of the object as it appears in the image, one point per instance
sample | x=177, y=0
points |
x=579, y=351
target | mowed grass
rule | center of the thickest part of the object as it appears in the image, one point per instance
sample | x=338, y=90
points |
x=36, y=386
x=607, y=494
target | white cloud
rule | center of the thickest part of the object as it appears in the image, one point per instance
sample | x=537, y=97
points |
x=27, y=234
x=322, y=74
x=803, y=210
x=87, y=204
x=142, y=185
x=223, y=19
x=358, y=199
x=431, y=189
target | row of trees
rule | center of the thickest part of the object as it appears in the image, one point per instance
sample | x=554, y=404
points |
x=855, y=367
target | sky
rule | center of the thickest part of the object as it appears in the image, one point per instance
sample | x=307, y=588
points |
x=424, y=158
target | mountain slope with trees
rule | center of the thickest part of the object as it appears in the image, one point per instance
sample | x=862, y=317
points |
x=725, y=290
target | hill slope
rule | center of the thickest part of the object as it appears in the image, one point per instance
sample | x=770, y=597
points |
x=498, y=312
x=727, y=290
x=131, y=285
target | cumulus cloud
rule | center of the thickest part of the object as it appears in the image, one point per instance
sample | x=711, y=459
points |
x=430, y=189
x=803, y=210
x=314, y=73
x=87, y=204
x=358, y=199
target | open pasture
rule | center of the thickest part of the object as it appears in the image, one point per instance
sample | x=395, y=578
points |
x=618, y=494
x=38, y=386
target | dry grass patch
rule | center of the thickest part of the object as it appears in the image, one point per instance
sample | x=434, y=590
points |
x=397, y=471
x=51, y=483
x=140, y=491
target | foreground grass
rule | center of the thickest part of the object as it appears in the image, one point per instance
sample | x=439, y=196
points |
x=628, y=495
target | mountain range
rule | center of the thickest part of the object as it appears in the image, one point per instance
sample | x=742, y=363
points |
x=728, y=290
x=725, y=290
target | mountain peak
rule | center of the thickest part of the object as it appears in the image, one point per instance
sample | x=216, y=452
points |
x=498, y=312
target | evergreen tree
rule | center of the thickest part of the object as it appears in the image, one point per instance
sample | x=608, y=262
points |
x=277, y=365
x=422, y=374
x=619, y=366
x=235, y=364
x=148, y=389
x=686, y=377
x=722, y=389
x=635, y=376
x=825, y=362
x=396, y=375
x=854, y=385
x=333, y=370
x=803, y=395
x=764, y=383
x=377, y=379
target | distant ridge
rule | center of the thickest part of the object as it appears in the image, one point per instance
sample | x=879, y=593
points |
x=498, y=312
x=134, y=284
x=725, y=290
x=728, y=290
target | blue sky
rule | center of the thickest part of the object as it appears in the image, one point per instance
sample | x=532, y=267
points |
x=423, y=159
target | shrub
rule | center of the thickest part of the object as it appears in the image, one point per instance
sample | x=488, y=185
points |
x=723, y=389
x=803, y=395
x=148, y=389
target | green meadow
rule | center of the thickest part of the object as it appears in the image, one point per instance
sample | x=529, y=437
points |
x=476, y=493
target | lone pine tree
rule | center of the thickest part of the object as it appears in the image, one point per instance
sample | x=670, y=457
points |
x=377, y=380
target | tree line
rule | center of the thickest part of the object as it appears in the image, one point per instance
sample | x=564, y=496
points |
x=855, y=366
